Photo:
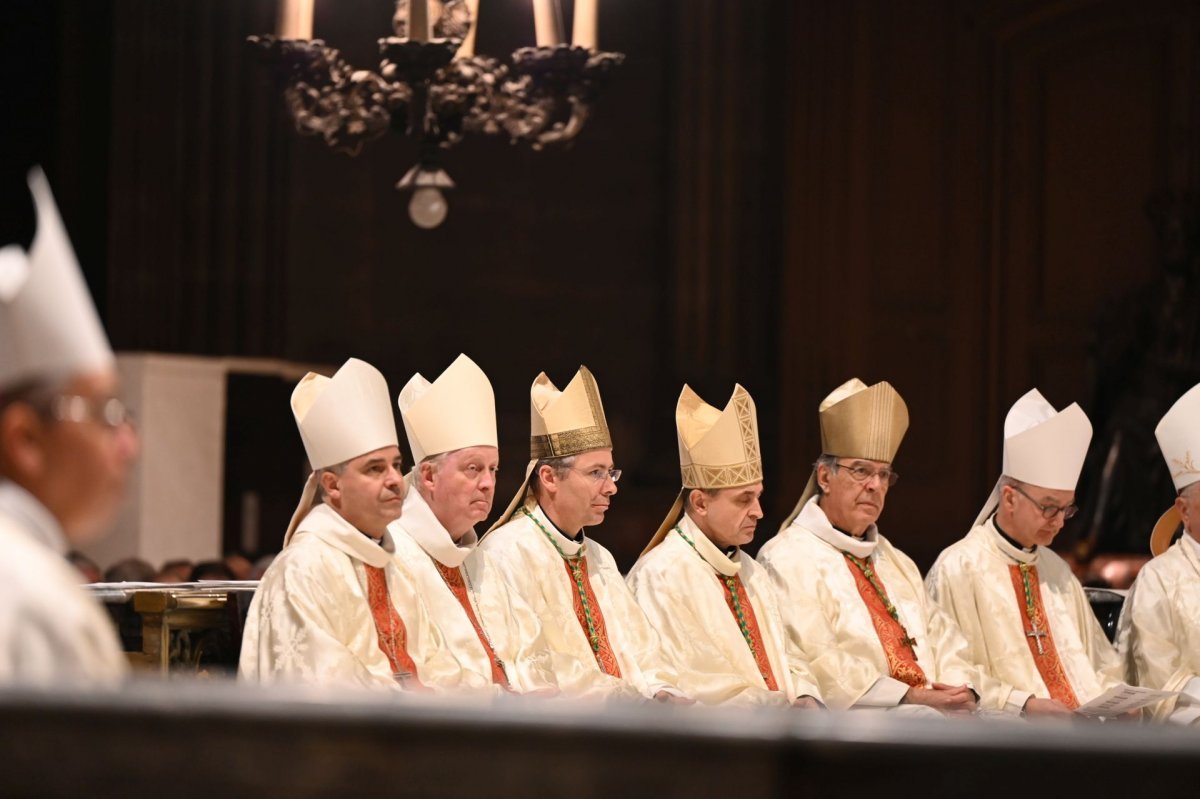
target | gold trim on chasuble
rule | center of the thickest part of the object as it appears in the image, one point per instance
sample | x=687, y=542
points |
x=901, y=658
x=453, y=578
x=741, y=605
x=1039, y=638
x=606, y=659
x=389, y=627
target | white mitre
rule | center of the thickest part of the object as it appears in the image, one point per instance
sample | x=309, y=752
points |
x=717, y=448
x=49, y=329
x=1042, y=447
x=1178, y=434
x=340, y=418
x=456, y=411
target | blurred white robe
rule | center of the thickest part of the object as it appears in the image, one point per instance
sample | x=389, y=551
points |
x=829, y=625
x=1159, y=632
x=51, y=630
x=683, y=593
x=972, y=582
x=508, y=623
x=311, y=622
x=533, y=569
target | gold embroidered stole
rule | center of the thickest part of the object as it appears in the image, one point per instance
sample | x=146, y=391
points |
x=1038, y=636
x=454, y=581
x=743, y=614
x=897, y=646
x=393, y=637
x=605, y=658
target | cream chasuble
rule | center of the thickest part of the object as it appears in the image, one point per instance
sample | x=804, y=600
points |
x=684, y=592
x=527, y=557
x=1159, y=634
x=506, y=624
x=314, y=617
x=51, y=630
x=830, y=626
x=976, y=582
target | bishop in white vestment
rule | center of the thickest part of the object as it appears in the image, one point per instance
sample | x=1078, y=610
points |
x=854, y=605
x=451, y=427
x=66, y=447
x=1159, y=631
x=571, y=582
x=1025, y=616
x=714, y=608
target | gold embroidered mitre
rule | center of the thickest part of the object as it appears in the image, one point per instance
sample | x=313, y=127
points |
x=717, y=448
x=1178, y=434
x=858, y=421
x=456, y=411
x=561, y=423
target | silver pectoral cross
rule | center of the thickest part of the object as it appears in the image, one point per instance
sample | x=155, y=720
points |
x=1037, y=635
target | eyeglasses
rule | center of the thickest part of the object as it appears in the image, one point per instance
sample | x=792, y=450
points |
x=863, y=474
x=110, y=412
x=600, y=475
x=1049, y=511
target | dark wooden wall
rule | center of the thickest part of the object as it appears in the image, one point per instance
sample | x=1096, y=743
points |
x=943, y=194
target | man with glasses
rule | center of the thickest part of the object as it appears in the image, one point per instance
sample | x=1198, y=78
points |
x=713, y=606
x=572, y=583
x=1025, y=616
x=66, y=447
x=1160, y=627
x=853, y=604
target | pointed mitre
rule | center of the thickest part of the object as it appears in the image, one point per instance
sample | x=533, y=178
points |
x=340, y=418
x=561, y=423
x=48, y=323
x=1178, y=434
x=858, y=421
x=1042, y=447
x=717, y=448
x=456, y=411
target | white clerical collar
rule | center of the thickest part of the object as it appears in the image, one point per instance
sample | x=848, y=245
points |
x=568, y=546
x=328, y=525
x=423, y=526
x=707, y=550
x=36, y=518
x=813, y=518
x=1005, y=546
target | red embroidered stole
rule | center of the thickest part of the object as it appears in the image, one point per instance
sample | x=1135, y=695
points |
x=393, y=637
x=734, y=585
x=454, y=581
x=605, y=659
x=1047, y=662
x=901, y=659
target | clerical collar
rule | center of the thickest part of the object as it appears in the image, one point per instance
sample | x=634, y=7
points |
x=1011, y=541
x=719, y=560
x=812, y=518
x=575, y=539
x=422, y=525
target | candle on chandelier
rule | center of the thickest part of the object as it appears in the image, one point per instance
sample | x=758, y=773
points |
x=295, y=19
x=418, y=20
x=547, y=21
x=468, y=46
x=584, y=32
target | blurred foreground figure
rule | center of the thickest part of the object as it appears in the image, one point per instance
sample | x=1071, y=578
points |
x=713, y=606
x=1023, y=612
x=850, y=599
x=66, y=446
x=333, y=607
x=1160, y=627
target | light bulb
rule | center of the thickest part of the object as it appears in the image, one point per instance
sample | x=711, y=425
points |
x=427, y=208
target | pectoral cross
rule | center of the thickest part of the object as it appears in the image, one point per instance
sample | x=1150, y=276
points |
x=1037, y=635
x=910, y=642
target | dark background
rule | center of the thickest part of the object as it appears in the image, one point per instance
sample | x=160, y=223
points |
x=949, y=195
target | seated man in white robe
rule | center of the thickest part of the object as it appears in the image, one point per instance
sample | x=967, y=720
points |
x=853, y=604
x=333, y=607
x=1025, y=616
x=66, y=446
x=572, y=583
x=451, y=428
x=713, y=606
x=1159, y=632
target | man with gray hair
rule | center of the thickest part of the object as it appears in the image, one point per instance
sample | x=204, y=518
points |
x=66, y=446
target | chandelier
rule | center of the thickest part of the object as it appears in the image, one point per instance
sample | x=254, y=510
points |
x=433, y=87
